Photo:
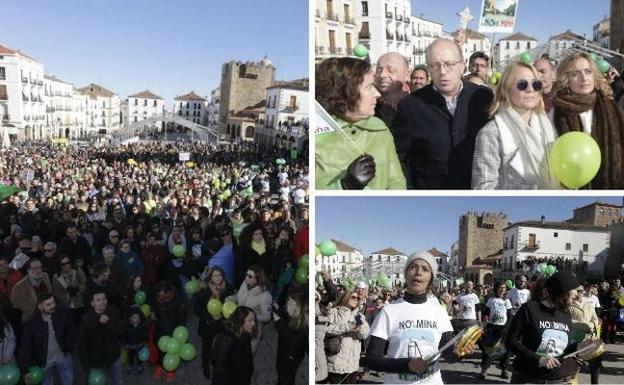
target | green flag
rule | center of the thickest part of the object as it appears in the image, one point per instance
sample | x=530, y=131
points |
x=7, y=191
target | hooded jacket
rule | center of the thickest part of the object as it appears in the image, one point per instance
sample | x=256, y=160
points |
x=256, y=299
x=336, y=150
x=341, y=321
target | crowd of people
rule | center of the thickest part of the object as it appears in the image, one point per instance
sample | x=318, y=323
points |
x=445, y=126
x=96, y=231
x=529, y=326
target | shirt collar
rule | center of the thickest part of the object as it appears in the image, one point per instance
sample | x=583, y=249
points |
x=451, y=102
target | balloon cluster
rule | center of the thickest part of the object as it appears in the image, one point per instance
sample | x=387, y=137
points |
x=176, y=347
x=575, y=159
x=303, y=269
x=216, y=308
x=280, y=161
x=546, y=270
x=495, y=78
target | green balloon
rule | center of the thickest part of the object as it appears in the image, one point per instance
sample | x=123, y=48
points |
x=181, y=334
x=214, y=307
x=593, y=56
x=173, y=346
x=9, y=374
x=360, y=51
x=550, y=270
x=178, y=251
x=123, y=356
x=541, y=267
x=526, y=58
x=575, y=159
x=603, y=65
x=327, y=248
x=188, y=352
x=509, y=283
x=146, y=310
x=36, y=375
x=140, y=297
x=191, y=287
x=171, y=362
x=305, y=261
x=318, y=251
x=163, y=342
x=228, y=309
x=301, y=275
x=97, y=377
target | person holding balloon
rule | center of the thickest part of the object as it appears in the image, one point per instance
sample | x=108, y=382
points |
x=584, y=103
x=169, y=311
x=512, y=150
x=356, y=151
x=135, y=339
x=210, y=323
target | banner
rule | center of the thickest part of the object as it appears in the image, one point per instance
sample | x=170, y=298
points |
x=184, y=156
x=498, y=16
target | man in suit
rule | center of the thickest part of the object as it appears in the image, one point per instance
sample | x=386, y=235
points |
x=435, y=127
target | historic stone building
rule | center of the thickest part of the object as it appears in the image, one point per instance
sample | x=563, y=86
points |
x=243, y=85
x=616, y=39
x=480, y=236
x=597, y=214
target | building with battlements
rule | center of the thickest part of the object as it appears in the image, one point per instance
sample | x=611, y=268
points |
x=616, y=31
x=598, y=214
x=480, y=236
x=243, y=84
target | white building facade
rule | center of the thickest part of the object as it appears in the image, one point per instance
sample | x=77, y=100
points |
x=535, y=240
x=144, y=105
x=22, y=108
x=336, y=27
x=60, y=114
x=387, y=261
x=103, y=109
x=286, y=113
x=510, y=47
x=424, y=32
x=347, y=262
x=190, y=107
x=212, y=115
x=386, y=27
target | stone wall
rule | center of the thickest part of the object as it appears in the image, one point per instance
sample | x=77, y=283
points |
x=480, y=236
x=616, y=39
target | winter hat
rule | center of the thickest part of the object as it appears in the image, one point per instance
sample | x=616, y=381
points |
x=425, y=256
x=561, y=282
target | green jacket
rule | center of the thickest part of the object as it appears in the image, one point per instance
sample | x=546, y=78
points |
x=334, y=153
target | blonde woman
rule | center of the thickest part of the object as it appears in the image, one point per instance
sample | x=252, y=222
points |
x=512, y=150
x=584, y=102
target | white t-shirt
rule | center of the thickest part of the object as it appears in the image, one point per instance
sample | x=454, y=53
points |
x=518, y=297
x=284, y=192
x=299, y=196
x=593, y=300
x=467, y=304
x=412, y=330
x=498, y=310
x=282, y=176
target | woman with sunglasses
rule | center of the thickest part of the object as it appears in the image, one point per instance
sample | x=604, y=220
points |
x=512, y=150
x=69, y=285
x=584, y=102
x=346, y=323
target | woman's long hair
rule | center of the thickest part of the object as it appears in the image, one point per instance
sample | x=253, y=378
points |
x=237, y=320
x=600, y=83
x=301, y=320
x=501, y=99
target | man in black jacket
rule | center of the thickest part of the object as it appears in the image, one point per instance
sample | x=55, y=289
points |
x=100, y=338
x=76, y=246
x=435, y=127
x=48, y=341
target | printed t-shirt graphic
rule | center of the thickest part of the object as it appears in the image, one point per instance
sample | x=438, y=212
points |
x=412, y=330
x=554, y=341
x=467, y=304
x=498, y=310
x=517, y=297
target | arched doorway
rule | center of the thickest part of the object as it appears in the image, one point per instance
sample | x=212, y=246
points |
x=487, y=279
x=249, y=132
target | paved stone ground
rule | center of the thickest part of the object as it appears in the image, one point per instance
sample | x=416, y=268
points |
x=467, y=371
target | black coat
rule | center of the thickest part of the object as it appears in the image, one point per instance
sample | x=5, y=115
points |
x=34, y=344
x=231, y=360
x=99, y=344
x=169, y=316
x=435, y=146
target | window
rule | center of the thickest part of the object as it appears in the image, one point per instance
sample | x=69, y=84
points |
x=135, y=118
x=532, y=242
x=187, y=113
x=103, y=104
x=145, y=102
x=556, y=234
x=2, y=73
x=3, y=92
x=585, y=247
x=568, y=246
x=507, y=45
x=364, y=8
x=512, y=242
x=136, y=102
x=293, y=101
x=155, y=103
x=180, y=104
x=528, y=45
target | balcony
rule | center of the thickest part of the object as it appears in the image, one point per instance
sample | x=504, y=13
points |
x=318, y=13
x=364, y=36
x=319, y=50
x=27, y=117
x=389, y=36
x=25, y=98
x=399, y=17
x=24, y=79
x=418, y=51
x=6, y=118
x=349, y=51
x=333, y=17
x=389, y=15
x=349, y=20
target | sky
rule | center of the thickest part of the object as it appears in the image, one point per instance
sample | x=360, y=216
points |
x=536, y=18
x=420, y=223
x=169, y=47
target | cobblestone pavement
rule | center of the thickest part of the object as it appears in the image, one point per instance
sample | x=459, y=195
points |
x=467, y=371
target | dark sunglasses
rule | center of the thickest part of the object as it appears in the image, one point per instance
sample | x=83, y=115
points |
x=65, y=263
x=113, y=236
x=523, y=84
x=250, y=276
x=47, y=250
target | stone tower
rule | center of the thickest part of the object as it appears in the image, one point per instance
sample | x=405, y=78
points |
x=616, y=38
x=243, y=85
x=480, y=236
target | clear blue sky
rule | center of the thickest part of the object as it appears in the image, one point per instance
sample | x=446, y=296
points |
x=421, y=223
x=167, y=46
x=537, y=18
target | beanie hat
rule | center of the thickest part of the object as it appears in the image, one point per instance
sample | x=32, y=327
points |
x=425, y=256
x=561, y=282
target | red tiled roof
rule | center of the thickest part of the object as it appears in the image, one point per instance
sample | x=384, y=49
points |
x=147, y=94
x=4, y=50
x=389, y=251
x=567, y=35
x=518, y=36
x=94, y=90
x=190, y=96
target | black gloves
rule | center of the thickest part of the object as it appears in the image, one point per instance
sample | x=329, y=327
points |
x=359, y=173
